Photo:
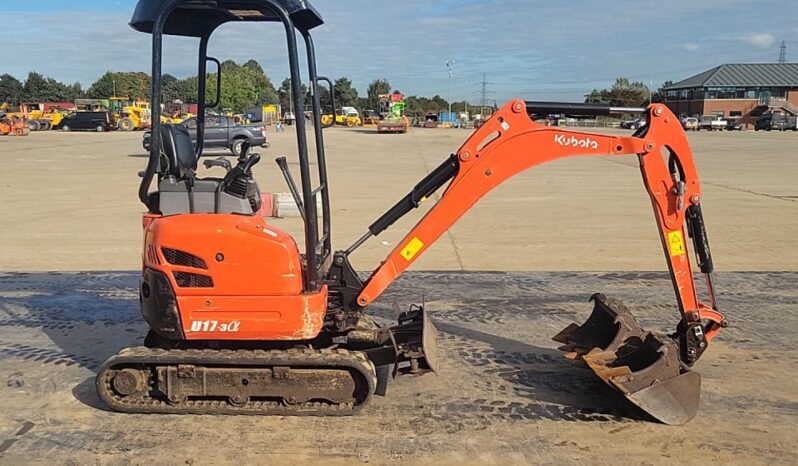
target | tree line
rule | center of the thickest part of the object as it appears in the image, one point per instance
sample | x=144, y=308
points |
x=243, y=86
x=627, y=93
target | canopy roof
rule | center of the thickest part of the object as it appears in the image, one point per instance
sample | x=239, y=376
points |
x=195, y=18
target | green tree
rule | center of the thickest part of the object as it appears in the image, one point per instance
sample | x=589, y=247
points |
x=661, y=93
x=36, y=88
x=418, y=105
x=242, y=86
x=11, y=89
x=375, y=89
x=345, y=93
x=253, y=65
x=133, y=84
x=285, y=99
x=623, y=93
x=73, y=91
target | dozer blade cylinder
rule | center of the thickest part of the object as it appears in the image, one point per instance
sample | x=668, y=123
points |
x=643, y=366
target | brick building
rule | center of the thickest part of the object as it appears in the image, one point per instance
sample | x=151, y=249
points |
x=737, y=90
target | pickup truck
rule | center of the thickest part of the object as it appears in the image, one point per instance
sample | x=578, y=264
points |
x=221, y=132
x=712, y=123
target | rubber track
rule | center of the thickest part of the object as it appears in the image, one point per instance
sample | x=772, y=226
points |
x=295, y=358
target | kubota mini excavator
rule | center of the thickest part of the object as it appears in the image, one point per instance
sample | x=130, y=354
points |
x=242, y=322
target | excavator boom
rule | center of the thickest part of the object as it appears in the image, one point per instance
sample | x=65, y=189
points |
x=651, y=370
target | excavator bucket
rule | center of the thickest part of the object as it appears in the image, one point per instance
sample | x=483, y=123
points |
x=643, y=366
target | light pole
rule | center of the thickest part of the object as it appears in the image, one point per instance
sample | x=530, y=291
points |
x=449, y=65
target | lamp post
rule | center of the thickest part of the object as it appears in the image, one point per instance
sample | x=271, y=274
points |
x=449, y=65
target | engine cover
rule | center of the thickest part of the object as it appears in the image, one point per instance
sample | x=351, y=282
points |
x=233, y=277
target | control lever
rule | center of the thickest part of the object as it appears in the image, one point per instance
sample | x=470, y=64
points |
x=218, y=162
x=245, y=146
x=250, y=162
x=291, y=185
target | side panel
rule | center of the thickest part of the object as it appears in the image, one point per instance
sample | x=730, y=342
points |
x=234, y=278
x=297, y=317
x=239, y=255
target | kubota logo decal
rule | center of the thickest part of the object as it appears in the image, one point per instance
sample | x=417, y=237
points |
x=573, y=141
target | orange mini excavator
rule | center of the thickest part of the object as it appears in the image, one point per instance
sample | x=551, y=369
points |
x=243, y=322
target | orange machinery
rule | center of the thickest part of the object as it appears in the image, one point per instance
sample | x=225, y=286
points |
x=13, y=125
x=243, y=321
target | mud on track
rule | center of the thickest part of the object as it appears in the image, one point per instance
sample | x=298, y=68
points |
x=504, y=393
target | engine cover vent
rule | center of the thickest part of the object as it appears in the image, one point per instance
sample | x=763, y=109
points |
x=193, y=280
x=178, y=257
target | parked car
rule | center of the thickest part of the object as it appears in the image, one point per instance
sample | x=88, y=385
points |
x=734, y=124
x=221, y=132
x=87, y=121
x=712, y=123
x=690, y=124
x=633, y=124
x=776, y=121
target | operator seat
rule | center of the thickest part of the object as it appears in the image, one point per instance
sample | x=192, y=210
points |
x=181, y=192
x=179, y=151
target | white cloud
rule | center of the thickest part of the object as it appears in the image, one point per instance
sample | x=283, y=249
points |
x=760, y=40
x=690, y=46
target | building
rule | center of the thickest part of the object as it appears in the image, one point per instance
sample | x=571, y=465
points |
x=737, y=90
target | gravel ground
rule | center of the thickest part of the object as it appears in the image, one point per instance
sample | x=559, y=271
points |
x=502, y=281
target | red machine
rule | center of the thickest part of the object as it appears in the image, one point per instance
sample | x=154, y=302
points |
x=243, y=322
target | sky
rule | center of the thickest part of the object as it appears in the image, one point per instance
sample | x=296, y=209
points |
x=537, y=50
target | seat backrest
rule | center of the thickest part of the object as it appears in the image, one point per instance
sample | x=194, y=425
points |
x=179, y=150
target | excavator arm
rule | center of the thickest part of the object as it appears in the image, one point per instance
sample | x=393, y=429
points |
x=510, y=143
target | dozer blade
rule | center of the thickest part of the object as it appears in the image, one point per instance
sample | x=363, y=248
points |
x=641, y=365
x=416, y=340
x=411, y=345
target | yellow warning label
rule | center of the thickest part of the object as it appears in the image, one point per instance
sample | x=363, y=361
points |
x=412, y=248
x=676, y=243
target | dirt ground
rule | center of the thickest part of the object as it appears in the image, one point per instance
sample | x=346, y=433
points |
x=508, y=276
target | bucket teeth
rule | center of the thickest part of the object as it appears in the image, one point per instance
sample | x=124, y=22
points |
x=641, y=365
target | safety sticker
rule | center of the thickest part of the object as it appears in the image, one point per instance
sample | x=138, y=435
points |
x=412, y=248
x=676, y=243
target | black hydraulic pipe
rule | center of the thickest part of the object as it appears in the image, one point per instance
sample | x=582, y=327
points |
x=445, y=172
x=698, y=231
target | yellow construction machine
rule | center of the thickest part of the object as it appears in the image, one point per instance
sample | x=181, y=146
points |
x=347, y=116
x=130, y=115
x=41, y=118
